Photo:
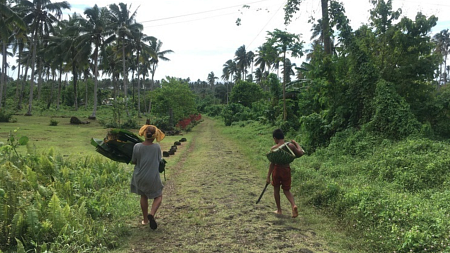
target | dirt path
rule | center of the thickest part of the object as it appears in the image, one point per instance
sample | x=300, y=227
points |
x=209, y=206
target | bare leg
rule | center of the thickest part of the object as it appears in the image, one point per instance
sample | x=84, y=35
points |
x=290, y=197
x=276, y=194
x=156, y=204
x=151, y=216
x=144, y=207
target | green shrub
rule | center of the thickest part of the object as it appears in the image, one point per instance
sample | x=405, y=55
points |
x=213, y=110
x=5, y=116
x=393, y=117
x=53, y=122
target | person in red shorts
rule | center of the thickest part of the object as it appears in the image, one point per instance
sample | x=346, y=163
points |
x=281, y=173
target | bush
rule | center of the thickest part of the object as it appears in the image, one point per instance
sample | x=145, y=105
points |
x=315, y=131
x=393, y=117
x=213, y=110
x=53, y=122
x=234, y=113
x=5, y=116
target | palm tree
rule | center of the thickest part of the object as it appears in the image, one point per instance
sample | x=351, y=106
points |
x=94, y=32
x=442, y=40
x=124, y=23
x=250, y=58
x=160, y=55
x=285, y=42
x=229, y=69
x=72, y=50
x=212, y=80
x=10, y=24
x=39, y=16
x=242, y=60
x=266, y=56
x=141, y=46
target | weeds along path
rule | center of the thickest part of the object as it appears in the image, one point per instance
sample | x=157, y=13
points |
x=209, y=206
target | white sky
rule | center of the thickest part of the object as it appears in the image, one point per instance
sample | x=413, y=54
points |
x=203, y=33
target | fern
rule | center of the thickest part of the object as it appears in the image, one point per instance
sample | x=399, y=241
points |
x=55, y=215
x=31, y=178
x=47, y=166
x=32, y=219
x=20, y=247
x=18, y=225
x=3, y=217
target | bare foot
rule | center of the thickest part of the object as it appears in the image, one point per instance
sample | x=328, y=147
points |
x=144, y=222
x=277, y=212
x=294, y=212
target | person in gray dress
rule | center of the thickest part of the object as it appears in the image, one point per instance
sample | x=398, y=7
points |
x=146, y=181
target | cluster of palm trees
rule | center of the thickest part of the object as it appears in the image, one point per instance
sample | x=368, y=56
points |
x=106, y=39
x=273, y=54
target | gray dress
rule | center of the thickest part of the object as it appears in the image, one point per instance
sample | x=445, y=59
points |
x=146, y=180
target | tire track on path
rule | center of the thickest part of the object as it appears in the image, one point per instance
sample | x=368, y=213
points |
x=209, y=206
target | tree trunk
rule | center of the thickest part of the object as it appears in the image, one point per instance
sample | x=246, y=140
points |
x=94, y=111
x=40, y=67
x=3, y=72
x=151, y=88
x=58, y=100
x=52, y=90
x=125, y=78
x=18, y=91
x=284, y=87
x=326, y=27
x=24, y=81
x=33, y=63
x=75, y=93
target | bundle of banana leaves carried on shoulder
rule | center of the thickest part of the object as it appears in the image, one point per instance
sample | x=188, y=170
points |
x=117, y=145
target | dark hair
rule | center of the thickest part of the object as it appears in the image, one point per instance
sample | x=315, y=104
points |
x=278, y=134
x=149, y=132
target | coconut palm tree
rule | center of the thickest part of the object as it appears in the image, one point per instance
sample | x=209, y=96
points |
x=212, y=80
x=141, y=46
x=40, y=15
x=73, y=51
x=10, y=25
x=96, y=32
x=160, y=55
x=250, y=58
x=229, y=69
x=242, y=60
x=285, y=42
x=442, y=40
x=124, y=23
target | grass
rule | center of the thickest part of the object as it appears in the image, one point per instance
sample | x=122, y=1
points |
x=219, y=215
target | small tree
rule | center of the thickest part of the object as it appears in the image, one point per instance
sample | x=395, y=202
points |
x=174, y=99
x=245, y=93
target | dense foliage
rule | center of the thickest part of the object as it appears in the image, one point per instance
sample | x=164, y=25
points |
x=49, y=203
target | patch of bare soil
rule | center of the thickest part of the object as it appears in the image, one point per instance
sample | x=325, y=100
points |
x=209, y=206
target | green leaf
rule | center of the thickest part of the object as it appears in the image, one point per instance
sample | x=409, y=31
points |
x=20, y=248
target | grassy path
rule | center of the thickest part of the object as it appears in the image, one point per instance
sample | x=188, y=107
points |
x=209, y=206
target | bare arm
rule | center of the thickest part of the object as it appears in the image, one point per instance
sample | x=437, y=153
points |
x=298, y=151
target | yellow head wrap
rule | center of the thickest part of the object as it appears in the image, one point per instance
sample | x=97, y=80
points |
x=159, y=135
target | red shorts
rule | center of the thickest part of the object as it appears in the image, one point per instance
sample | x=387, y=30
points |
x=281, y=175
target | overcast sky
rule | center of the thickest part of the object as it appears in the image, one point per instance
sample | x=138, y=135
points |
x=203, y=33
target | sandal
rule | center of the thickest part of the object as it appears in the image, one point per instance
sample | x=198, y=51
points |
x=152, y=222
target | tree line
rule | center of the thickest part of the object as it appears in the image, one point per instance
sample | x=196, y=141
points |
x=389, y=76
x=106, y=39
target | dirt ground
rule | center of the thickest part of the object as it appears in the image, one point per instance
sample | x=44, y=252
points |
x=209, y=206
